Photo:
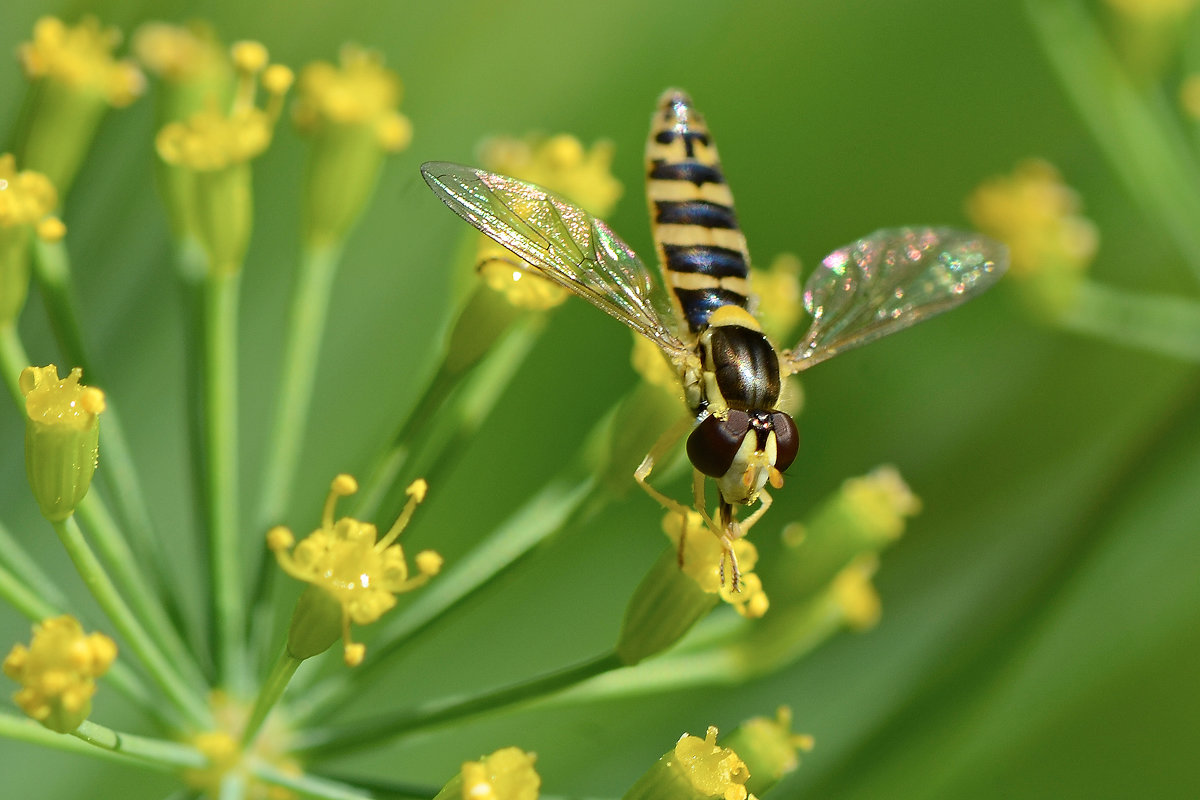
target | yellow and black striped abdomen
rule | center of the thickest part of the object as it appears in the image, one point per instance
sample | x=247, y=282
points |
x=700, y=246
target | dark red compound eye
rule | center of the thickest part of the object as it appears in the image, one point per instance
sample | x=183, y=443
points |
x=787, y=440
x=713, y=444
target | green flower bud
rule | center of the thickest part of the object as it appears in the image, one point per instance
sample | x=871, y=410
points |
x=316, y=624
x=863, y=516
x=664, y=606
x=768, y=747
x=61, y=438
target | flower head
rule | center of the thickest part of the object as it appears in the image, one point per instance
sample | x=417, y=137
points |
x=856, y=596
x=26, y=200
x=713, y=770
x=506, y=774
x=351, y=567
x=349, y=113
x=58, y=672
x=180, y=54
x=80, y=57
x=564, y=166
x=61, y=438
x=1037, y=216
x=703, y=556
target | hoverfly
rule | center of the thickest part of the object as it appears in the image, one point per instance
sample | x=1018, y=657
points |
x=706, y=327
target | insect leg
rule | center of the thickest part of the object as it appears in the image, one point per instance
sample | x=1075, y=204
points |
x=668, y=440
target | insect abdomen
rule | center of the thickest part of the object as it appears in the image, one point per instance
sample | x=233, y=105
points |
x=700, y=246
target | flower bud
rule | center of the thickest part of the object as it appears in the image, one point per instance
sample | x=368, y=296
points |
x=61, y=438
x=506, y=774
x=695, y=769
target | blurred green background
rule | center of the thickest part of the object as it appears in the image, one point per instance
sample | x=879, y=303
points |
x=1040, y=632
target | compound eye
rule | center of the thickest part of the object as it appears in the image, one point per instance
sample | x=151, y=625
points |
x=715, y=442
x=787, y=440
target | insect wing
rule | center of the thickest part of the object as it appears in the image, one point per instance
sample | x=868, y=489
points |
x=888, y=281
x=561, y=241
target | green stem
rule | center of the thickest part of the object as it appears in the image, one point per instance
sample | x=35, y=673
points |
x=312, y=786
x=17, y=560
x=168, y=755
x=13, y=359
x=130, y=628
x=269, y=694
x=1140, y=138
x=123, y=565
x=540, y=517
x=323, y=743
x=306, y=325
x=52, y=269
x=26, y=730
x=219, y=324
x=1162, y=324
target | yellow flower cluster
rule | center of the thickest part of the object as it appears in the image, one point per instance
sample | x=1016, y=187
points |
x=506, y=774
x=80, y=57
x=343, y=559
x=58, y=672
x=1037, y=216
x=358, y=91
x=179, y=53
x=27, y=198
x=703, y=557
x=564, y=166
x=212, y=139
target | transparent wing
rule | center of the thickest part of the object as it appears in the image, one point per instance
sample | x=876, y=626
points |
x=563, y=242
x=889, y=280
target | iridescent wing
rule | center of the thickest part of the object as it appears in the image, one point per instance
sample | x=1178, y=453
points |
x=562, y=242
x=889, y=280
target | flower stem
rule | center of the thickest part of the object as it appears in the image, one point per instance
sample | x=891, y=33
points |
x=219, y=342
x=269, y=694
x=13, y=359
x=169, y=755
x=122, y=563
x=26, y=730
x=317, y=787
x=1140, y=138
x=323, y=743
x=1163, y=324
x=130, y=628
x=306, y=324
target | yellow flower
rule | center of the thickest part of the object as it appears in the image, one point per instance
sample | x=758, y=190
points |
x=180, y=53
x=81, y=58
x=714, y=771
x=506, y=774
x=26, y=200
x=1037, y=216
x=360, y=91
x=214, y=146
x=343, y=560
x=349, y=112
x=703, y=557
x=61, y=438
x=564, y=166
x=58, y=672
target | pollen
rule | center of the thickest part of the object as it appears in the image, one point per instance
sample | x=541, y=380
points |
x=1037, y=216
x=58, y=671
x=714, y=771
x=347, y=560
x=703, y=556
x=26, y=198
x=506, y=774
x=80, y=57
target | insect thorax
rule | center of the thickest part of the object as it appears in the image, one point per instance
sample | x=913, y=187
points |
x=740, y=368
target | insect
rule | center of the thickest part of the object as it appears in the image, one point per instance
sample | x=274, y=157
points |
x=705, y=324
